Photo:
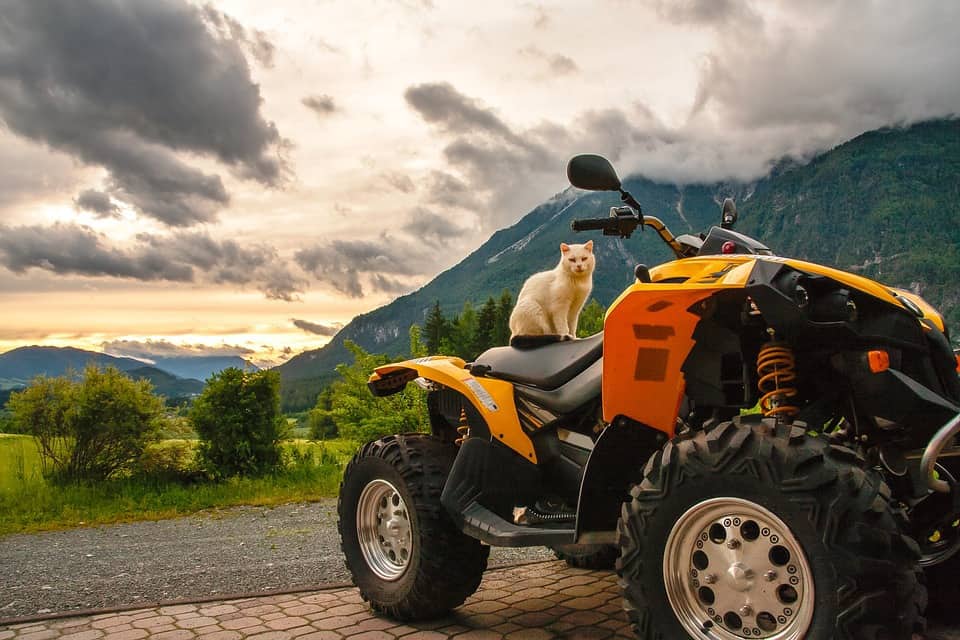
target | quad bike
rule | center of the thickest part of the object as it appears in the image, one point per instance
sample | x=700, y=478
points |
x=815, y=518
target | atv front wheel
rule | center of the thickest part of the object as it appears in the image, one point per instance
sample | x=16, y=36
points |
x=759, y=530
x=402, y=549
x=588, y=556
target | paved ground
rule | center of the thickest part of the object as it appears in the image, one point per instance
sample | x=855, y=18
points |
x=529, y=602
x=207, y=555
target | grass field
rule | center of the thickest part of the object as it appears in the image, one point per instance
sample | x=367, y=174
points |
x=29, y=503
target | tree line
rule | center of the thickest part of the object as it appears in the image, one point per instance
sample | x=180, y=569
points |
x=346, y=408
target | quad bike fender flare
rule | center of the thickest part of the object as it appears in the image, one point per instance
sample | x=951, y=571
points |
x=493, y=399
x=616, y=463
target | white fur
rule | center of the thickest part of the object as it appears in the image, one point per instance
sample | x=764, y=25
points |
x=550, y=301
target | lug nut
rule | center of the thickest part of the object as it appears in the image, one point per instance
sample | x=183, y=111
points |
x=710, y=578
x=770, y=576
x=733, y=543
x=746, y=611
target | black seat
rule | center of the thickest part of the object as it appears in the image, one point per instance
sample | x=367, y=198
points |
x=544, y=367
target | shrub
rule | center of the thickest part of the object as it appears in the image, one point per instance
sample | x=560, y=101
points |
x=91, y=429
x=169, y=460
x=360, y=416
x=239, y=423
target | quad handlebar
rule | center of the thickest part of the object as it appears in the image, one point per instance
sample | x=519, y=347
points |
x=622, y=222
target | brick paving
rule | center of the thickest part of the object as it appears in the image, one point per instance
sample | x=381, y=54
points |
x=530, y=602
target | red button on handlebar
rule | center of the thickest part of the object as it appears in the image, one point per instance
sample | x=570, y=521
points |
x=728, y=247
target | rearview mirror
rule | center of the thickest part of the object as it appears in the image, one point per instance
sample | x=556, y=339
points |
x=593, y=173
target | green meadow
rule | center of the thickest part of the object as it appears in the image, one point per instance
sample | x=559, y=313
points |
x=29, y=503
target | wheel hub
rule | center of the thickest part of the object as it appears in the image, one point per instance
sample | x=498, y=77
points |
x=383, y=528
x=733, y=568
x=740, y=577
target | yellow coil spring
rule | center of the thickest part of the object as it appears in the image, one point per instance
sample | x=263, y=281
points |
x=463, y=428
x=777, y=369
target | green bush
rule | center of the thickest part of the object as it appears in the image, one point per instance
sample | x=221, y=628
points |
x=89, y=429
x=239, y=423
x=169, y=461
x=360, y=416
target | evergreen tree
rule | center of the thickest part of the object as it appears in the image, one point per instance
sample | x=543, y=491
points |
x=464, y=332
x=417, y=347
x=486, y=326
x=435, y=329
x=501, y=333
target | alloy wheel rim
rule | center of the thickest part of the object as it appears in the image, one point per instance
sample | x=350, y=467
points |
x=734, y=569
x=384, y=531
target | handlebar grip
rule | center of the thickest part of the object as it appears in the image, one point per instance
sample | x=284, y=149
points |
x=591, y=224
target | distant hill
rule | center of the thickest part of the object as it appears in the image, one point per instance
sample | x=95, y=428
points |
x=19, y=366
x=886, y=203
x=167, y=384
x=200, y=367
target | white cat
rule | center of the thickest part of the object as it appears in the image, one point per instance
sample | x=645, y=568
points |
x=550, y=301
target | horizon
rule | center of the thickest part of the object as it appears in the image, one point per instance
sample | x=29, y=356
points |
x=286, y=168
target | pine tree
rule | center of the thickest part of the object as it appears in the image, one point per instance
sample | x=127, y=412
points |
x=435, y=328
x=501, y=334
x=465, y=331
x=486, y=326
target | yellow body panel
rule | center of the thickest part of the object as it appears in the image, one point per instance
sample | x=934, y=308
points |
x=647, y=330
x=492, y=398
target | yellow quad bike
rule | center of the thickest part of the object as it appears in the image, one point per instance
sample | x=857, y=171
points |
x=812, y=519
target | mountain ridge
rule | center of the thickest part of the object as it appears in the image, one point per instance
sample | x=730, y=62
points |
x=884, y=201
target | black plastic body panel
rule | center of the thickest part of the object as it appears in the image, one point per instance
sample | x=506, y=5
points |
x=615, y=465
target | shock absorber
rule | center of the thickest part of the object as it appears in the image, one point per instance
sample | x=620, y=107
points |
x=777, y=369
x=463, y=428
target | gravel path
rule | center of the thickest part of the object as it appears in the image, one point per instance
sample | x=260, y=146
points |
x=230, y=551
x=212, y=554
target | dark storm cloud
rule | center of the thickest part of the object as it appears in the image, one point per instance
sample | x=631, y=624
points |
x=254, y=41
x=127, y=85
x=322, y=105
x=98, y=203
x=341, y=263
x=380, y=282
x=150, y=349
x=399, y=181
x=316, y=327
x=708, y=12
x=450, y=191
x=441, y=104
x=432, y=228
x=782, y=83
x=557, y=64
x=68, y=249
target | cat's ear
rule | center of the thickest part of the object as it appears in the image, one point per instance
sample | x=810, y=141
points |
x=589, y=246
x=564, y=247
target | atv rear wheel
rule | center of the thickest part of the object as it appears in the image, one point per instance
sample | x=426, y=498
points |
x=402, y=549
x=758, y=530
x=588, y=556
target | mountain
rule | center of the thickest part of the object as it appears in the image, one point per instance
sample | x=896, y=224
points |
x=505, y=261
x=18, y=366
x=200, y=367
x=886, y=204
x=167, y=384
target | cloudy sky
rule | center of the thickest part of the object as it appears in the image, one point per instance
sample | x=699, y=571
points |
x=244, y=177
